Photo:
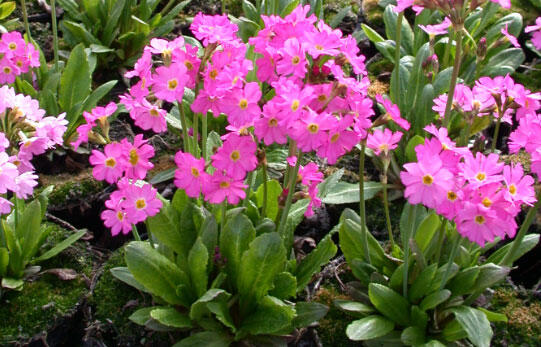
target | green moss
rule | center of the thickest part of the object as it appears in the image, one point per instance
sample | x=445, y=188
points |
x=524, y=318
x=332, y=328
x=45, y=300
x=71, y=189
x=373, y=13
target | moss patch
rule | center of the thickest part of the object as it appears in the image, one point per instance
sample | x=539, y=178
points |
x=43, y=302
x=373, y=13
x=71, y=189
x=524, y=318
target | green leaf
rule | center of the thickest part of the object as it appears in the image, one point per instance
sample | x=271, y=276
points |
x=12, y=283
x=434, y=299
x=346, y=193
x=308, y=313
x=475, y=323
x=416, y=140
x=6, y=8
x=199, y=308
x=426, y=231
x=504, y=62
x=354, y=307
x=4, y=261
x=442, y=81
x=351, y=243
x=363, y=270
x=141, y=316
x=421, y=285
x=463, y=282
x=75, y=81
x=368, y=328
x=274, y=190
x=29, y=229
x=339, y=17
x=390, y=20
x=372, y=34
x=235, y=238
x=294, y=218
x=157, y=273
x=526, y=245
x=312, y=263
x=80, y=32
x=285, y=286
x=170, y=317
x=97, y=94
x=124, y=275
x=197, y=262
x=271, y=316
x=329, y=183
x=391, y=304
x=60, y=246
x=289, y=8
x=250, y=11
x=412, y=336
x=111, y=28
x=205, y=338
x=493, y=316
x=263, y=260
x=489, y=275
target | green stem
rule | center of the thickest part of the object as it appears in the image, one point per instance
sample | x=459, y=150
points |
x=386, y=207
x=406, y=244
x=291, y=152
x=362, y=207
x=204, y=136
x=451, y=260
x=224, y=210
x=511, y=254
x=25, y=19
x=183, y=123
x=17, y=210
x=496, y=133
x=454, y=77
x=55, y=34
x=447, y=52
x=466, y=135
x=398, y=43
x=135, y=233
x=290, y=192
x=195, y=140
x=265, y=190
x=441, y=237
x=167, y=7
x=250, y=181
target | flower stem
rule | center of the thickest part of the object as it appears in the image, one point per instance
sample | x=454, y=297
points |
x=204, y=136
x=511, y=254
x=406, y=244
x=55, y=34
x=398, y=39
x=183, y=123
x=290, y=192
x=224, y=210
x=265, y=190
x=25, y=19
x=452, y=257
x=362, y=208
x=447, y=51
x=386, y=207
x=496, y=133
x=250, y=181
x=441, y=237
x=195, y=141
x=135, y=233
x=454, y=77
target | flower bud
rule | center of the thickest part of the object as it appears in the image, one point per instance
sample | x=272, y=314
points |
x=482, y=48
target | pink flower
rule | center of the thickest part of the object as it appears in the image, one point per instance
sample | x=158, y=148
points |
x=519, y=187
x=214, y=29
x=140, y=202
x=220, y=187
x=480, y=224
x=340, y=140
x=190, y=174
x=100, y=112
x=206, y=101
x=536, y=38
x=482, y=169
x=135, y=157
x=108, y=166
x=8, y=173
x=5, y=206
x=510, y=37
x=117, y=221
x=437, y=29
x=393, y=112
x=148, y=116
x=426, y=182
x=52, y=129
x=293, y=59
x=267, y=128
x=236, y=156
x=503, y=3
x=168, y=82
x=310, y=130
x=383, y=141
x=240, y=105
x=24, y=185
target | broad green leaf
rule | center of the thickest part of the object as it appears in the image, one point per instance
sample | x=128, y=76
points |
x=289, y=8
x=157, y=273
x=271, y=316
x=504, y=62
x=412, y=336
x=97, y=94
x=416, y=140
x=199, y=308
x=4, y=261
x=372, y=34
x=12, y=283
x=80, y=32
x=75, y=81
x=368, y=328
x=493, y=316
x=527, y=244
x=329, y=183
x=312, y=263
x=141, y=316
x=463, y=282
x=308, y=313
x=29, y=229
x=235, y=238
x=442, y=81
x=197, y=262
x=274, y=190
x=421, y=285
x=475, y=323
x=124, y=275
x=438, y=278
x=426, y=230
x=59, y=247
x=294, y=218
x=391, y=304
x=363, y=270
x=205, y=338
x=285, y=286
x=113, y=17
x=346, y=193
x=351, y=243
x=6, y=9
x=434, y=299
x=489, y=275
x=250, y=11
x=419, y=317
x=170, y=317
x=416, y=83
x=165, y=226
x=354, y=307
x=339, y=17
x=263, y=260
x=390, y=20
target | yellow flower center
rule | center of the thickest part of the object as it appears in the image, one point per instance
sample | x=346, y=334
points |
x=243, y=103
x=140, y=203
x=451, y=195
x=322, y=97
x=120, y=216
x=110, y=162
x=12, y=46
x=335, y=137
x=428, y=180
x=479, y=219
x=487, y=202
x=188, y=65
x=19, y=63
x=313, y=128
x=7, y=70
x=295, y=60
x=295, y=105
x=512, y=189
x=195, y=172
x=172, y=84
x=273, y=122
x=224, y=184
x=319, y=47
x=384, y=147
x=213, y=74
x=154, y=113
x=444, y=146
x=134, y=157
x=481, y=176
x=235, y=155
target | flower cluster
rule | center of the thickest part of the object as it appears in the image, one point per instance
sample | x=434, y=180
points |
x=480, y=194
x=536, y=36
x=25, y=132
x=447, y=7
x=16, y=56
x=528, y=136
x=499, y=96
x=97, y=117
